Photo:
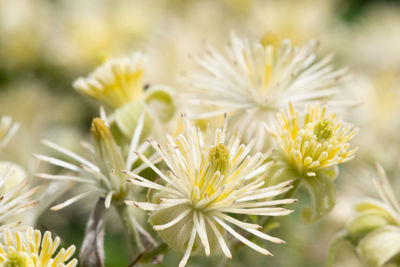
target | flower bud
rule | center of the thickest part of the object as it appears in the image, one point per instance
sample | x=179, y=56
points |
x=107, y=153
x=365, y=223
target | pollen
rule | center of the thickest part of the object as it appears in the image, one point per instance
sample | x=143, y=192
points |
x=323, y=130
x=219, y=158
x=16, y=259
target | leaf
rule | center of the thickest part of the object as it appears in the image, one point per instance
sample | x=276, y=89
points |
x=380, y=246
x=92, y=251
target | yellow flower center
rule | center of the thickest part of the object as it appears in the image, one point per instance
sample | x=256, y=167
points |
x=323, y=130
x=219, y=158
x=16, y=259
x=269, y=39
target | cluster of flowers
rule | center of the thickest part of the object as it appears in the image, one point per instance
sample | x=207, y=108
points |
x=220, y=157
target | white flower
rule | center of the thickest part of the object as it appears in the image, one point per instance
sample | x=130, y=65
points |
x=117, y=82
x=103, y=173
x=317, y=141
x=7, y=129
x=14, y=198
x=210, y=179
x=375, y=227
x=255, y=80
x=27, y=248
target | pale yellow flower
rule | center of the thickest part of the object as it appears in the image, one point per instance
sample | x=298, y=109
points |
x=27, y=248
x=14, y=198
x=117, y=82
x=317, y=141
x=103, y=171
x=253, y=80
x=374, y=228
x=210, y=179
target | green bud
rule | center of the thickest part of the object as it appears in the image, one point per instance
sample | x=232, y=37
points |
x=380, y=246
x=108, y=155
x=365, y=223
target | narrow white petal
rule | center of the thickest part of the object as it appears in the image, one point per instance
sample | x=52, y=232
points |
x=220, y=238
x=198, y=220
x=107, y=201
x=70, y=154
x=173, y=222
x=73, y=199
x=189, y=248
x=243, y=239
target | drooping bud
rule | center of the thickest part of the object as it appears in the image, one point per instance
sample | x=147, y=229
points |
x=117, y=82
x=365, y=223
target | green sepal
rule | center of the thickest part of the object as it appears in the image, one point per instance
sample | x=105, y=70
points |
x=161, y=103
x=378, y=206
x=323, y=197
x=127, y=118
x=280, y=171
x=380, y=246
x=330, y=172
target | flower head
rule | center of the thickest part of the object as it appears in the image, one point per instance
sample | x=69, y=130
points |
x=14, y=198
x=27, y=248
x=375, y=228
x=103, y=172
x=7, y=130
x=211, y=180
x=253, y=81
x=117, y=82
x=318, y=142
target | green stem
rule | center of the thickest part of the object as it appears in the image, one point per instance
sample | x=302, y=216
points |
x=289, y=194
x=148, y=256
x=332, y=248
x=130, y=228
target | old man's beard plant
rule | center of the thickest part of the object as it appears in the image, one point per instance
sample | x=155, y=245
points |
x=211, y=181
x=374, y=229
x=27, y=248
x=253, y=81
x=310, y=146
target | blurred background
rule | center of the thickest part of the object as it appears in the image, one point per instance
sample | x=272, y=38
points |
x=46, y=44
